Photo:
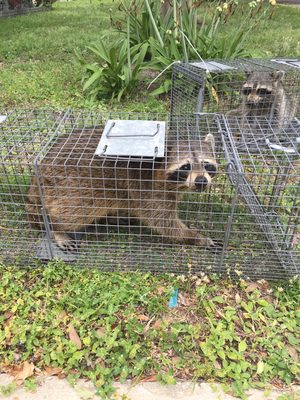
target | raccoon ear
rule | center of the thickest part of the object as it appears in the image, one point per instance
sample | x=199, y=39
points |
x=278, y=76
x=210, y=139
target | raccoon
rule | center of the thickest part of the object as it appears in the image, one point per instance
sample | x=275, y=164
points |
x=264, y=95
x=76, y=188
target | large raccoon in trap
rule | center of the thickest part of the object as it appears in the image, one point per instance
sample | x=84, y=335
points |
x=264, y=95
x=77, y=188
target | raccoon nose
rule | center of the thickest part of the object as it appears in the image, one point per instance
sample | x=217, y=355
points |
x=201, y=182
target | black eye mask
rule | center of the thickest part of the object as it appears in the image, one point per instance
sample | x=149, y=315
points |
x=247, y=90
x=263, y=92
x=181, y=174
x=210, y=168
x=185, y=167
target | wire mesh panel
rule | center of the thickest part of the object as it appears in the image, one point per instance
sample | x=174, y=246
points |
x=128, y=212
x=22, y=135
x=204, y=206
x=267, y=177
x=245, y=88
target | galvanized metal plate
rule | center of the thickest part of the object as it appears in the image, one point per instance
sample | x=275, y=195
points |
x=136, y=138
x=292, y=62
x=212, y=66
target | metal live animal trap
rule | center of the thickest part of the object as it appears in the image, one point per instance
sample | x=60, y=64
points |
x=126, y=192
x=19, y=7
x=258, y=104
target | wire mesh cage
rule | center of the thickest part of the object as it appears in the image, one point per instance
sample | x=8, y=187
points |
x=246, y=89
x=257, y=102
x=267, y=178
x=192, y=210
x=17, y=7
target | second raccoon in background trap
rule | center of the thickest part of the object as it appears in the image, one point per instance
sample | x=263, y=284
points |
x=264, y=95
x=77, y=188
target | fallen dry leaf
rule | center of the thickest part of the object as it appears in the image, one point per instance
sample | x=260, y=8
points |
x=73, y=336
x=143, y=317
x=183, y=299
x=151, y=378
x=25, y=370
x=237, y=298
x=62, y=315
x=251, y=287
x=293, y=353
x=160, y=290
x=100, y=332
x=51, y=371
x=157, y=324
x=8, y=315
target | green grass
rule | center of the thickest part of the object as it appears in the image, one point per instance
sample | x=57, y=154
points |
x=242, y=334
x=38, y=66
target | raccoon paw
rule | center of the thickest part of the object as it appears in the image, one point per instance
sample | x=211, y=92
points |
x=65, y=242
x=211, y=244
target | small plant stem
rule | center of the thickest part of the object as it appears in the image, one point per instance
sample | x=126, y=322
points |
x=186, y=57
x=128, y=46
x=175, y=18
x=154, y=24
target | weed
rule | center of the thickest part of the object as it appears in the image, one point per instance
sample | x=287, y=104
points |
x=107, y=326
x=7, y=390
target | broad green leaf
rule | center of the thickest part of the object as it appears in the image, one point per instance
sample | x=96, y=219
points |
x=96, y=75
x=242, y=346
x=260, y=367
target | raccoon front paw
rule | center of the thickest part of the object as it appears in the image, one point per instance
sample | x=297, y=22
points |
x=65, y=242
x=210, y=243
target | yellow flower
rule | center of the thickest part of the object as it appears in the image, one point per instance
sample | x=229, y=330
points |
x=225, y=6
x=273, y=2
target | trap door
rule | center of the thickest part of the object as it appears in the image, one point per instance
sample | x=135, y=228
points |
x=133, y=138
x=291, y=62
x=268, y=222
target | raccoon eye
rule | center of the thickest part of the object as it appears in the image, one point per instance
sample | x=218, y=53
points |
x=185, y=167
x=246, y=90
x=210, y=168
x=263, y=92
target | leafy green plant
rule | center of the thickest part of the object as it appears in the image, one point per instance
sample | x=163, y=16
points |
x=7, y=390
x=242, y=334
x=115, y=72
x=186, y=33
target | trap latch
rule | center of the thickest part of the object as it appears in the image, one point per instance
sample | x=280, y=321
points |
x=132, y=138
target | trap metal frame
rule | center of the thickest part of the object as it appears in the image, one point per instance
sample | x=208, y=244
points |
x=251, y=209
x=258, y=103
x=19, y=7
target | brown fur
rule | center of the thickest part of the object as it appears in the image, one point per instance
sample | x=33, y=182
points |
x=79, y=188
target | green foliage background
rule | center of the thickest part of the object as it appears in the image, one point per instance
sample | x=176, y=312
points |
x=38, y=66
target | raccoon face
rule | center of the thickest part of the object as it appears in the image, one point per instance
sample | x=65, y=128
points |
x=260, y=89
x=194, y=167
